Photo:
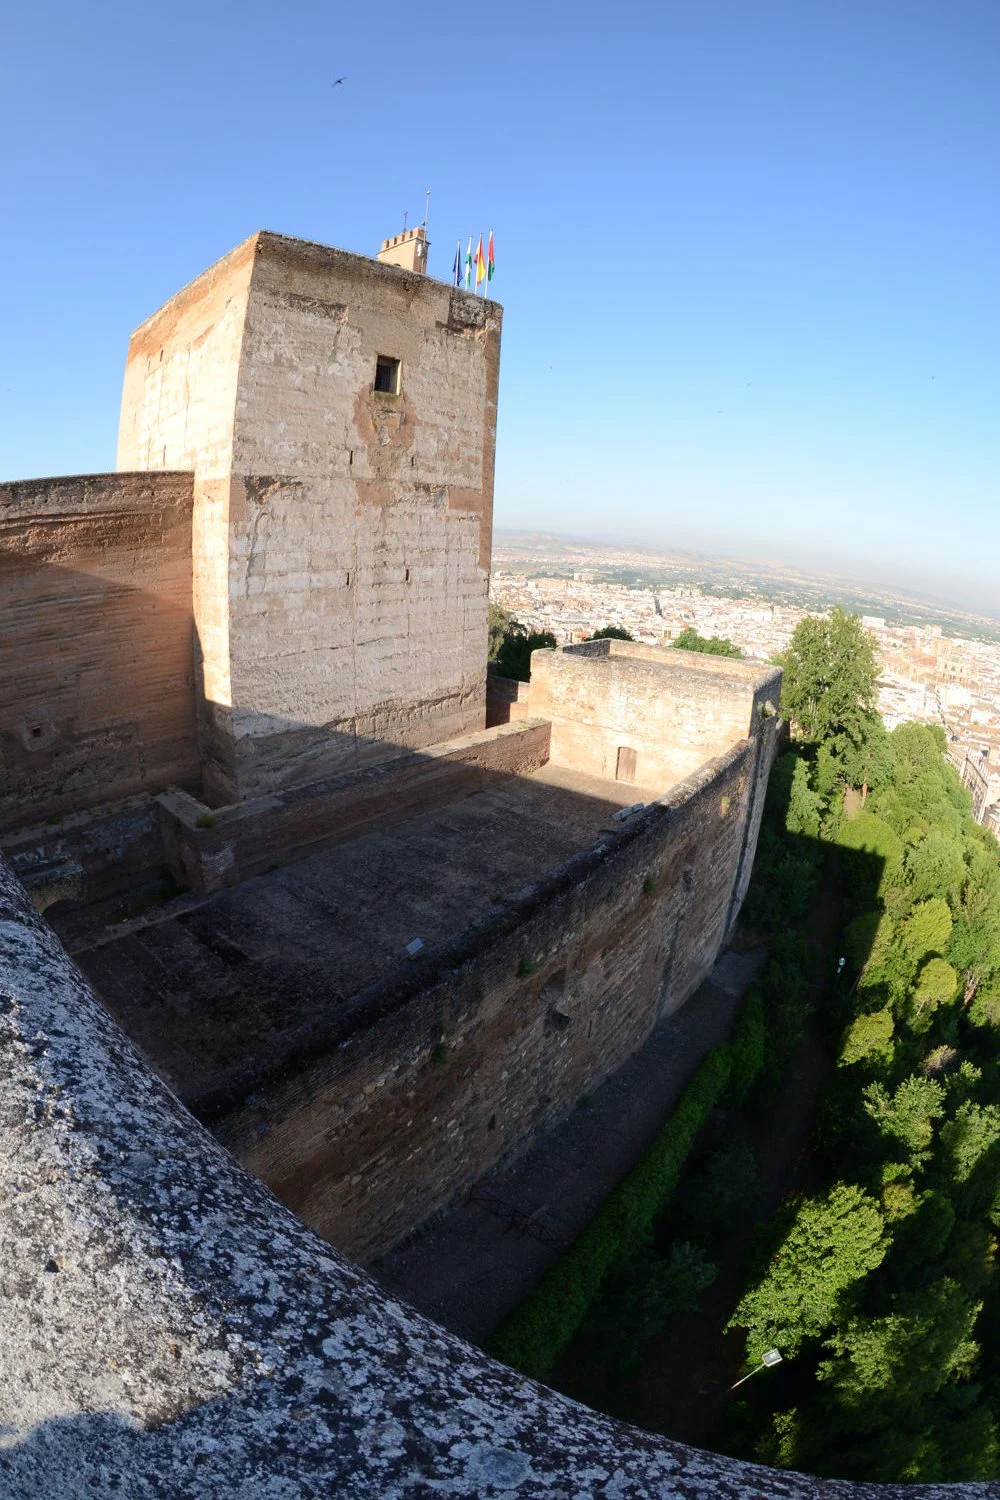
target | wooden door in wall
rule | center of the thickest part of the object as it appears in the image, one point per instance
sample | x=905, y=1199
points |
x=625, y=769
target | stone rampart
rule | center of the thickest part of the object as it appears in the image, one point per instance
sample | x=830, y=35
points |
x=645, y=714
x=96, y=651
x=481, y=1043
x=171, y=1332
x=207, y=849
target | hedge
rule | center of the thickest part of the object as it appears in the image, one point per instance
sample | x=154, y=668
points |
x=537, y=1331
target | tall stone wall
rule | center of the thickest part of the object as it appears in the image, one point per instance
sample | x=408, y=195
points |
x=504, y=1030
x=170, y=1331
x=342, y=536
x=672, y=709
x=96, y=664
x=178, y=412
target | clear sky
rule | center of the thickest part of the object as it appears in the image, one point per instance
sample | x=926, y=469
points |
x=748, y=249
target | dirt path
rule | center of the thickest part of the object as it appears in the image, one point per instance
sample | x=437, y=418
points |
x=685, y=1374
x=478, y=1261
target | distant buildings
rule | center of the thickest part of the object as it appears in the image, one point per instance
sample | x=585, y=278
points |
x=926, y=676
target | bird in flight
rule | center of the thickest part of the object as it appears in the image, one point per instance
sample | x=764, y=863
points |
x=336, y=81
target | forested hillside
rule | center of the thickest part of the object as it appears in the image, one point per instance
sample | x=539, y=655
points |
x=833, y=1187
x=879, y=1287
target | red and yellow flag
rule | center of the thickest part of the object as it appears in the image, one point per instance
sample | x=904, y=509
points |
x=480, y=262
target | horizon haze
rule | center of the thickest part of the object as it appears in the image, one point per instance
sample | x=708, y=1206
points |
x=746, y=255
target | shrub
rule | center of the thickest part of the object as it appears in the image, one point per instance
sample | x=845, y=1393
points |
x=532, y=1337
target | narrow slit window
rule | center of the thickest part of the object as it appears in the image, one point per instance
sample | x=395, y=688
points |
x=387, y=375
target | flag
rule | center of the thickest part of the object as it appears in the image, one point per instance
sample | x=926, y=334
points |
x=489, y=260
x=456, y=269
x=480, y=262
x=468, y=265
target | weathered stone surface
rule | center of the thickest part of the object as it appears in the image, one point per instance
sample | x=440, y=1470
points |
x=169, y=1330
x=554, y=939
x=206, y=850
x=672, y=709
x=96, y=650
x=342, y=535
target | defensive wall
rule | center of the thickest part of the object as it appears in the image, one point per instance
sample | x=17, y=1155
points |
x=463, y=1056
x=668, y=710
x=170, y=1330
x=96, y=675
x=406, y=943
x=560, y=919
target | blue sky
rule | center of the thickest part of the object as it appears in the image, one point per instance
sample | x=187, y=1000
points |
x=748, y=251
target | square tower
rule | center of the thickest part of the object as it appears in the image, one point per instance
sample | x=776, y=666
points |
x=340, y=418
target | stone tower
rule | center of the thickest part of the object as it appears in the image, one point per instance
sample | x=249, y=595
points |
x=339, y=415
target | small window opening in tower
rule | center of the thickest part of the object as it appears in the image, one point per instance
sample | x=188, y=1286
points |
x=387, y=375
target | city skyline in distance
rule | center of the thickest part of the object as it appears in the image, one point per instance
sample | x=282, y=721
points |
x=816, y=576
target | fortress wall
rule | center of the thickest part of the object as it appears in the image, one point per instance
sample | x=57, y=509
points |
x=207, y=850
x=96, y=665
x=170, y=1330
x=361, y=521
x=675, y=709
x=114, y=848
x=487, y=1040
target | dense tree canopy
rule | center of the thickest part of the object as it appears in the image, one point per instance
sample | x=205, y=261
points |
x=906, y=1382
x=611, y=633
x=880, y=1287
x=829, y=693
x=832, y=1242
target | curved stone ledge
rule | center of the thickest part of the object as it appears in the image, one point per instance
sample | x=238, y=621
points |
x=167, y=1328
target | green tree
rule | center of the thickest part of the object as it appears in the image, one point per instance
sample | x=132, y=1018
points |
x=868, y=1037
x=805, y=808
x=934, y=865
x=833, y=1242
x=927, y=928
x=909, y=1113
x=968, y=1136
x=610, y=633
x=499, y=621
x=713, y=645
x=937, y=983
x=885, y=1368
x=828, y=691
x=514, y=656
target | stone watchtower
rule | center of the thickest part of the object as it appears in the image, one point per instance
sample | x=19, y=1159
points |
x=339, y=415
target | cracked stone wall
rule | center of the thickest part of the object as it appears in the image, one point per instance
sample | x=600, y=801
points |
x=96, y=652
x=342, y=535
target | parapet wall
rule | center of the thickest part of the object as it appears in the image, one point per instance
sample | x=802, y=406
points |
x=171, y=1332
x=96, y=649
x=206, y=850
x=498, y=1033
x=672, y=709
